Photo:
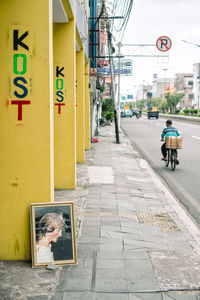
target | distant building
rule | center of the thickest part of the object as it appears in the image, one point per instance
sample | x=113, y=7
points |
x=160, y=85
x=142, y=89
x=196, y=85
x=184, y=84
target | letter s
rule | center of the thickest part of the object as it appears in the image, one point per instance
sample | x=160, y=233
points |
x=59, y=94
x=25, y=90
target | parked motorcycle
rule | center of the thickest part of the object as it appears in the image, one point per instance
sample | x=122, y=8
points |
x=102, y=122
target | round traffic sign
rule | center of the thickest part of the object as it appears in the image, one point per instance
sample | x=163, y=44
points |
x=163, y=43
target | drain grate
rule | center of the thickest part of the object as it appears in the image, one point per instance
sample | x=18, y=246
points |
x=158, y=219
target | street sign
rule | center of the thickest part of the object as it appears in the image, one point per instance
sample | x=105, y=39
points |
x=125, y=68
x=163, y=43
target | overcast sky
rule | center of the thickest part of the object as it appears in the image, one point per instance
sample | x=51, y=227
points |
x=150, y=19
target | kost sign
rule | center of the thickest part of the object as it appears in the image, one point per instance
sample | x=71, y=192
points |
x=59, y=88
x=20, y=81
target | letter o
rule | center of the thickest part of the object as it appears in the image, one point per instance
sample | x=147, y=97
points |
x=15, y=64
x=59, y=84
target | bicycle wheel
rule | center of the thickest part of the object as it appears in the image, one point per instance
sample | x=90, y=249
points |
x=173, y=159
x=168, y=158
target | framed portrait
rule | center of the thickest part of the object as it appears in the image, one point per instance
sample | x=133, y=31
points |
x=53, y=238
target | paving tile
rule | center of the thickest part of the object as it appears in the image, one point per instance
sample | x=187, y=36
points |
x=88, y=239
x=87, y=250
x=40, y=297
x=146, y=296
x=78, y=296
x=75, y=284
x=176, y=269
x=110, y=274
x=181, y=296
x=110, y=285
x=111, y=296
x=111, y=246
x=140, y=275
x=110, y=264
x=109, y=255
x=90, y=229
x=136, y=255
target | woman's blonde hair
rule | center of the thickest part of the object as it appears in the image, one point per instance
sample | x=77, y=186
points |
x=49, y=222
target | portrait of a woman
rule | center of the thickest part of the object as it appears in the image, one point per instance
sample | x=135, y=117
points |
x=53, y=237
x=49, y=230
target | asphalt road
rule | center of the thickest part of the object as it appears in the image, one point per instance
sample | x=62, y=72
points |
x=145, y=134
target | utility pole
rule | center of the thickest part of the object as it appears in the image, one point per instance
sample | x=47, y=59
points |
x=119, y=66
x=113, y=85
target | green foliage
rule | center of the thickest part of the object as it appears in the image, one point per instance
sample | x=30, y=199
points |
x=163, y=106
x=140, y=104
x=181, y=113
x=198, y=115
x=186, y=111
x=102, y=88
x=109, y=115
x=191, y=111
x=130, y=104
x=156, y=102
x=177, y=111
x=107, y=105
x=173, y=100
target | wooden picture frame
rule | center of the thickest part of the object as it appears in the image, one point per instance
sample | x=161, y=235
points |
x=53, y=238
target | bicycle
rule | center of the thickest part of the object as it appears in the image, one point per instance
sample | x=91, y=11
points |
x=171, y=158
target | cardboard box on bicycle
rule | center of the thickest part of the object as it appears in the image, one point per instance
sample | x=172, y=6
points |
x=179, y=142
x=174, y=142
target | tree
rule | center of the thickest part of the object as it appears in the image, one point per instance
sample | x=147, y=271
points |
x=163, y=106
x=156, y=102
x=130, y=104
x=107, y=105
x=140, y=104
x=173, y=100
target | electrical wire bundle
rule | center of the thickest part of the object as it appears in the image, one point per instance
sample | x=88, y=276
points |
x=119, y=8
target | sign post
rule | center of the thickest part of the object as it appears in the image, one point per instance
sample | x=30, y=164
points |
x=163, y=43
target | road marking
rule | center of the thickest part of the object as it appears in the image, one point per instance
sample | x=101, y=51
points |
x=196, y=137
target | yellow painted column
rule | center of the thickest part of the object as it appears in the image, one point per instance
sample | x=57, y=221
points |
x=26, y=119
x=80, y=107
x=64, y=105
x=87, y=108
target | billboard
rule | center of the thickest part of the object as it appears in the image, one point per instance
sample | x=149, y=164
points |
x=122, y=68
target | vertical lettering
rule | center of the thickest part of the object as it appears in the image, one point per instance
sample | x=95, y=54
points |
x=25, y=90
x=24, y=64
x=59, y=86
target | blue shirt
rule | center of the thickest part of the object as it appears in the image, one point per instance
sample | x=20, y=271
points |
x=169, y=131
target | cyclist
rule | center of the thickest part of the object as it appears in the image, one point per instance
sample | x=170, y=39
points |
x=168, y=131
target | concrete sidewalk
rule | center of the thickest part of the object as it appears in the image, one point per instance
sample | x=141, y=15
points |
x=134, y=239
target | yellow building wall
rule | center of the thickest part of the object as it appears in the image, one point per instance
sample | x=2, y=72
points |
x=64, y=105
x=26, y=119
x=87, y=108
x=80, y=107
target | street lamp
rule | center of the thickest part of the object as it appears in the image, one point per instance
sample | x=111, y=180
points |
x=190, y=43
